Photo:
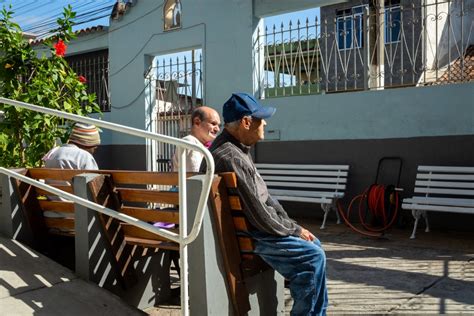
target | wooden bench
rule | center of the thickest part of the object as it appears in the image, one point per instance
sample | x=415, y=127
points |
x=135, y=193
x=237, y=248
x=118, y=190
x=323, y=184
x=133, y=198
x=441, y=189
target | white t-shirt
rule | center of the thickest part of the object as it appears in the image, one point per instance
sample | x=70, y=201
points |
x=193, y=158
x=68, y=156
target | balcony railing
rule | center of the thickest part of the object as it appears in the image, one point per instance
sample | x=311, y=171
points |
x=406, y=43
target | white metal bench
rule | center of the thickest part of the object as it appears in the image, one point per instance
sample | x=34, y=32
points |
x=441, y=189
x=323, y=184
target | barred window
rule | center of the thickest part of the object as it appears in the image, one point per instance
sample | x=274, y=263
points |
x=349, y=27
x=392, y=24
x=94, y=66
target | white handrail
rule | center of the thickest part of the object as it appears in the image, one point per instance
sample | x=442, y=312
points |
x=182, y=145
x=94, y=206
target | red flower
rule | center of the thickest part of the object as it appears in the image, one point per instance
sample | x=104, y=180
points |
x=82, y=79
x=60, y=48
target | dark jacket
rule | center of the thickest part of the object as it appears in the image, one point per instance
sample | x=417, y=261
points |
x=263, y=212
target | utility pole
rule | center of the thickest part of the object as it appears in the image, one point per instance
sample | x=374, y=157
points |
x=375, y=30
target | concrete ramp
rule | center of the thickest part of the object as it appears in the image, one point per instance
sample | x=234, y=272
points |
x=32, y=284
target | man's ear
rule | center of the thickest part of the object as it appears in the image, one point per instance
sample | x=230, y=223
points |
x=246, y=122
x=196, y=121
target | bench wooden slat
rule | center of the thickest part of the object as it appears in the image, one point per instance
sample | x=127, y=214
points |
x=65, y=188
x=151, y=243
x=152, y=215
x=120, y=177
x=444, y=191
x=240, y=223
x=147, y=177
x=340, y=174
x=56, y=174
x=439, y=201
x=305, y=179
x=136, y=232
x=58, y=206
x=445, y=184
x=246, y=244
x=450, y=169
x=306, y=193
x=301, y=166
x=230, y=179
x=143, y=195
x=438, y=176
x=306, y=185
x=439, y=208
x=59, y=223
x=235, y=203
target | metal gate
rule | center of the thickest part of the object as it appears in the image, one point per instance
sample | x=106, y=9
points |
x=179, y=90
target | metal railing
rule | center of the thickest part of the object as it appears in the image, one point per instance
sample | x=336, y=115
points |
x=183, y=238
x=94, y=67
x=179, y=90
x=364, y=46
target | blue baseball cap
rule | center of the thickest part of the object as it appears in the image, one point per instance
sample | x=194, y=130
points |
x=242, y=104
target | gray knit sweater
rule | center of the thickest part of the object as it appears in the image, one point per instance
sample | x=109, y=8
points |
x=264, y=212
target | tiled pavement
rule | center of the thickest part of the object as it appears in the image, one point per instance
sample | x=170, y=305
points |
x=433, y=274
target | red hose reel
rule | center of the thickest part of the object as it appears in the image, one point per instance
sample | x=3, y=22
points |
x=377, y=206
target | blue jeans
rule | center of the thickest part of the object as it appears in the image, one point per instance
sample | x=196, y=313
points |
x=301, y=262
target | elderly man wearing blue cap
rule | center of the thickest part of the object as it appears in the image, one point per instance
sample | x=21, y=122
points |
x=289, y=248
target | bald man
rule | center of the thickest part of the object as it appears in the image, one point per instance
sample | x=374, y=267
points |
x=205, y=127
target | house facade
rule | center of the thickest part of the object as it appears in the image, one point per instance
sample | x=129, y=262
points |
x=368, y=44
x=362, y=123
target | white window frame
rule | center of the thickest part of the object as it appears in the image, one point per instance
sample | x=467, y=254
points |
x=353, y=17
x=388, y=15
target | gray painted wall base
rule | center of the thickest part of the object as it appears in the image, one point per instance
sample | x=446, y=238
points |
x=94, y=259
x=363, y=156
x=208, y=290
x=12, y=219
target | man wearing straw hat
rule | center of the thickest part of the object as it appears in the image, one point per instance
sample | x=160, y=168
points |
x=77, y=153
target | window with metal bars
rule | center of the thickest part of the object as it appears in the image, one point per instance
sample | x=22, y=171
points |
x=94, y=68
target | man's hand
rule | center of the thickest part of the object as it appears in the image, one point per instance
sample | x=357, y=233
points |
x=306, y=235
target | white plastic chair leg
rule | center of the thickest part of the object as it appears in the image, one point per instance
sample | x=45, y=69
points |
x=416, y=215
x=334, y=206
x=326, y=209
x=425, y=215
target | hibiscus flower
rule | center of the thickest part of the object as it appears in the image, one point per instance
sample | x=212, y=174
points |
x=60, y=48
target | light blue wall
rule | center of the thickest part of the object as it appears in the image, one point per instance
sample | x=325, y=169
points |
x=396, y=113
x=264, y=8
x=222, y=29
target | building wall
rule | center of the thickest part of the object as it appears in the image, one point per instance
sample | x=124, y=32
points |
x=424, y=125
x=420, y=125
x=390, y=113
x=224, y=32
x=402, y=59
x=363, y=156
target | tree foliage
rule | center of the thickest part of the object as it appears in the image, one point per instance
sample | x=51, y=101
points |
x=25, y=136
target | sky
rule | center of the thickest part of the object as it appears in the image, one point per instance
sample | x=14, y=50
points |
x=39, y=16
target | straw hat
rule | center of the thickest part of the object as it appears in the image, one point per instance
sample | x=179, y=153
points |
x=84, y=135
